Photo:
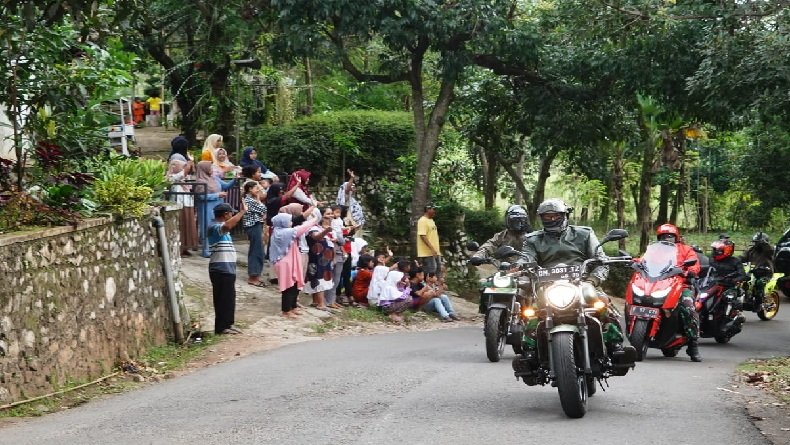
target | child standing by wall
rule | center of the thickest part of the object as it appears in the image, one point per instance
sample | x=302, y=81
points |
x=222, y=267
x=253, y=225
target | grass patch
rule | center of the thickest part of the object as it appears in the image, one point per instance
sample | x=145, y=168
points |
x=356, y=316
x=171, y=357
x=158, y=360
x=771, y=374
x=364, y=315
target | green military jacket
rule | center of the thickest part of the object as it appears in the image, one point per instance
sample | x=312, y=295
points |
x=503, y=238
x=572, y=246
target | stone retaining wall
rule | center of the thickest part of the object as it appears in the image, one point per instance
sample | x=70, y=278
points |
x=76, y=300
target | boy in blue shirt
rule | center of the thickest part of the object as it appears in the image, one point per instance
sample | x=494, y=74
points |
x=222, y=267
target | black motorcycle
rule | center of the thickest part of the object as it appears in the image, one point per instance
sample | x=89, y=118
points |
x=500, y=300
x=563, y=339
x=719, y=307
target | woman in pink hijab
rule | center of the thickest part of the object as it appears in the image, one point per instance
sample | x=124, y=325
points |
x=302, y=194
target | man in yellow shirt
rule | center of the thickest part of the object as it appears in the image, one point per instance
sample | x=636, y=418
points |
x=428, y=242
x=154, y=107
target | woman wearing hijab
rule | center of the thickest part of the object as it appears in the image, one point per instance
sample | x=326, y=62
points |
x=276, y=197
x=295, y=210
x=299, y=182
x=395, y=297
x=284, y=255
x=180, y=165
x=249, y=158
x=321, y=260
x=210, y=146
x=222, y=164
x=215, y=192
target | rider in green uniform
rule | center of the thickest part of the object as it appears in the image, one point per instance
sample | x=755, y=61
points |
x=560, y=242
x=517, y=227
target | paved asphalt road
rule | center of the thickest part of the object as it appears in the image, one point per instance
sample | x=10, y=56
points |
x=418, y=388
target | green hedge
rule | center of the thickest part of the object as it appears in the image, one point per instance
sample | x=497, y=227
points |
x=480, y=225
x=371, y=142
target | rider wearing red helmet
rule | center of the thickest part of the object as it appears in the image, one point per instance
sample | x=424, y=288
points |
x=728, y=268
x=689, y=315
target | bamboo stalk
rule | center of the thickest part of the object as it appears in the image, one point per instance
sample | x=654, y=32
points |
x=22, y=402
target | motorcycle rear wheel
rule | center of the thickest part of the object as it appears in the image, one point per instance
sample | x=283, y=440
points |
x=571, y=382
x=638, y=338
x=772, y=301
x=495, y=338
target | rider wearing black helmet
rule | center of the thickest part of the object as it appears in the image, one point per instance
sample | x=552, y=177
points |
x=760, y=254
x=517, y=226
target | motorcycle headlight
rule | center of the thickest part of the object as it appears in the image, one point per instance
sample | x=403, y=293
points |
x=561, y=295
x=661, y=293
x=637, y=290
x=503, y=281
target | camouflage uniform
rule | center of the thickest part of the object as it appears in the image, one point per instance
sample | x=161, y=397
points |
x=504, y=238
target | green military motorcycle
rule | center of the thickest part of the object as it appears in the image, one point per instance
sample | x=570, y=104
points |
x=501, y=298
x=563, y=339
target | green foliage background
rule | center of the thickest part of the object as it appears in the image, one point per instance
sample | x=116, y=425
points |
x=368, y=142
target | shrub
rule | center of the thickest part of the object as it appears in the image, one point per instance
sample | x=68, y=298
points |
x=121, y=196
x=480, y=225
x=18, y=209
x=369, y=142
x=146, y=172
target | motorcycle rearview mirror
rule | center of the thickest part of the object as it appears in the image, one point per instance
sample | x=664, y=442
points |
x=472, y=246
x=615, y=235
x=504, y=265
x=504, y=251
x=689, y=263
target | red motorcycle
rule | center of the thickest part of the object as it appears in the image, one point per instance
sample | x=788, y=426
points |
x=652, y=298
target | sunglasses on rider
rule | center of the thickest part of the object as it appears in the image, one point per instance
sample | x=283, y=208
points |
x=551, y=217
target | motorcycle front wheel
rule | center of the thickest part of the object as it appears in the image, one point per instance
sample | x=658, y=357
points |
x=495, y=338
x=770, y=306
x=571, y=382
x=638, y=338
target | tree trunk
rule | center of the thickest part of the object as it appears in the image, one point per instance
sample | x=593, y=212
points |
x=645, y=184
x=13, y=112
x=519, y=197
x=426, y=136
x=308, y=80
x=518, y=180
x=618, y=182
x=183, y=89
x=677, y=202
x=226, y=117
x=663, y=203
x=490, y=180
x=543, y=175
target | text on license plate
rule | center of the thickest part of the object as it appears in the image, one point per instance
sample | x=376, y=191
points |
x=647, y=312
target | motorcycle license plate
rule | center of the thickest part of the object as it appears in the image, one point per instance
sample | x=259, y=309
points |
x=499, y=290
x=645, y=312
x=560, y=273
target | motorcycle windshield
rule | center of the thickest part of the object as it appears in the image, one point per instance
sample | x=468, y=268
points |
x=659, y=258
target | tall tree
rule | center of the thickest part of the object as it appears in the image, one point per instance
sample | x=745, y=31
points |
x=426, y=44
x=200, y=44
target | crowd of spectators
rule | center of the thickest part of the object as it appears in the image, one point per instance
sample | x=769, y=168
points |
x=312, y=247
